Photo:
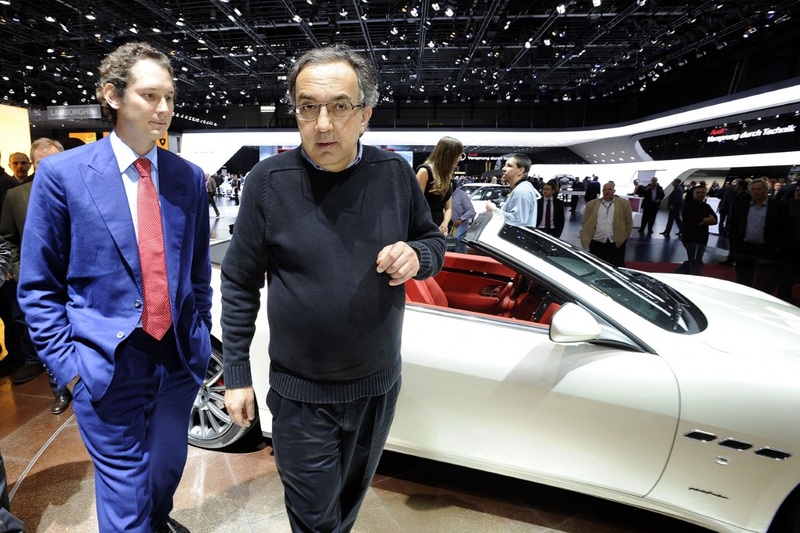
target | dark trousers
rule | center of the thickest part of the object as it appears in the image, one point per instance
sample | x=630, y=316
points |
x=8, y=522
x=327, y=455
x=136, y=434
x=609, y=251
x=213, y=203
x=18, y=338
x=674, y=216
x=648, y=218
x=694, y=262
x=757, y=267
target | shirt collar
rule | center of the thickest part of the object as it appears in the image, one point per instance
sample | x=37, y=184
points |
x=125, y=155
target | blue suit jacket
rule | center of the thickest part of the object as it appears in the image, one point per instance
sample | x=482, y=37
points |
x=80, y=283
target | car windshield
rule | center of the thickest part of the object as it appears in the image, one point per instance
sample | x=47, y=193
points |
x=644, y=295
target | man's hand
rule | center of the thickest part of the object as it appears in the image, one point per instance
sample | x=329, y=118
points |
x=490, y=206
x=241, y=405
x=400, y=261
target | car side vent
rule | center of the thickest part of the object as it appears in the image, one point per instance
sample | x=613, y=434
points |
x=736, y=444
x=771, y=453
x=702, y=436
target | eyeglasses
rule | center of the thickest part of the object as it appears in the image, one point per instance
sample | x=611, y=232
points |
x=337, y=110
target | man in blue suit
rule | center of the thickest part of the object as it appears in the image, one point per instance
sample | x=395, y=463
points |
x=86, y=292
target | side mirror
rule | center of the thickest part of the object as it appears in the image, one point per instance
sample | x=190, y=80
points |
x=573, y=323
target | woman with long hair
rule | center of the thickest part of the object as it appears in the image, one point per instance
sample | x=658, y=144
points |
x=435, y=176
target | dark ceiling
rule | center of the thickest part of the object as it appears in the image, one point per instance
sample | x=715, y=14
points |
x=659, y=54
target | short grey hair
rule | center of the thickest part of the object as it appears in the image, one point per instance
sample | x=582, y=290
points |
x=367, y=77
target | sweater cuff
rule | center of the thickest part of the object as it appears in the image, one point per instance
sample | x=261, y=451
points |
x=237, y=376
x=425, y=260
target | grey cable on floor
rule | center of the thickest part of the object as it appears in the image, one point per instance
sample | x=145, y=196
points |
x=38, y=454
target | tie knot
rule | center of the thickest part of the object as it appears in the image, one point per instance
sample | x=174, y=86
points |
x=142, y=166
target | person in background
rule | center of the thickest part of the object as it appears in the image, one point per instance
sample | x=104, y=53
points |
x=115, y=282
x=463, y=213
x=759, y=227
x=787, y=191
x=550, y=211
x=22, y=354
x=651, y=203
x=741, y=193
x=674, y=207
x=435, y=177
x=726, y=194
x=8, y=522
x=697, y=217
x=607, y=226
x=211, y=191
x=519, y=208
x=331, y=209
x=577, y=186
x=791, y=252
x=592, y=188
x=7, y=181
x=12, y=227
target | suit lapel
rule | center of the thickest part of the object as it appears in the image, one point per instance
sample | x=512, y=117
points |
x=104, y=182
x=172, y=189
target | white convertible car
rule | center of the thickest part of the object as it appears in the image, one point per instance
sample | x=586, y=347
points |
x=533, y=359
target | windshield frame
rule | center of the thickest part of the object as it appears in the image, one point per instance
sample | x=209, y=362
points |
x=638, y=292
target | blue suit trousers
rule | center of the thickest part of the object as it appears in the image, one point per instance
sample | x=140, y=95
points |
x=136, y=434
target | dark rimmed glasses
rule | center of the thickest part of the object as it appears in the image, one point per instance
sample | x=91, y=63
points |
x=337, y=110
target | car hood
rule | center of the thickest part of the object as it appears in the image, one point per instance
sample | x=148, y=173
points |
x=740, y=319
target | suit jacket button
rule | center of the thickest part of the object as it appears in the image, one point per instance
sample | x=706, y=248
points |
x=120, y=334
x=137, y=304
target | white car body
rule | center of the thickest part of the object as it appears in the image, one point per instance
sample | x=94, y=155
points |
x=700, y=425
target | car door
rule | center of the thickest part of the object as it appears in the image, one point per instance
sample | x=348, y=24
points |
x=498, y=395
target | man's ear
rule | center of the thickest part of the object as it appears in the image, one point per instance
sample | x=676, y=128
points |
x=365, y=116
x=111, y=95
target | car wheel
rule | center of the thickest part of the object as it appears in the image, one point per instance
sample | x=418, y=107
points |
x=210, y=426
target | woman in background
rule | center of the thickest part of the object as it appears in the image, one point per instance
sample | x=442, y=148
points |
x=435, y=177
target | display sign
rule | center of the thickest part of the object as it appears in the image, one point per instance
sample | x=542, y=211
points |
x=723, y=135
x=73, y=112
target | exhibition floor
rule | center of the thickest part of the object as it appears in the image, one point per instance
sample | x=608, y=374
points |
x=238, y=490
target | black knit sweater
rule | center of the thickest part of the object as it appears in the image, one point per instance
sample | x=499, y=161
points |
x=335, y=323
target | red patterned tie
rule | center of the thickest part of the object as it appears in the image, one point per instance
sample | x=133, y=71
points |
x=156, y=317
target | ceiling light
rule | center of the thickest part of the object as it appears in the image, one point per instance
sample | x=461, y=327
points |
x=596, y=3
x=435, y=6
x=449, y=11
x=48, y=18
x=414, y=12
x=90, y=16
x=561, y=9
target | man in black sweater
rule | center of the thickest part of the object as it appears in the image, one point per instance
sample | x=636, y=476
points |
x=337, y=227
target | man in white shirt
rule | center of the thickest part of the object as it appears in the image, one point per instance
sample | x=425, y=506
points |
x=520, y=206
x=607, y=226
